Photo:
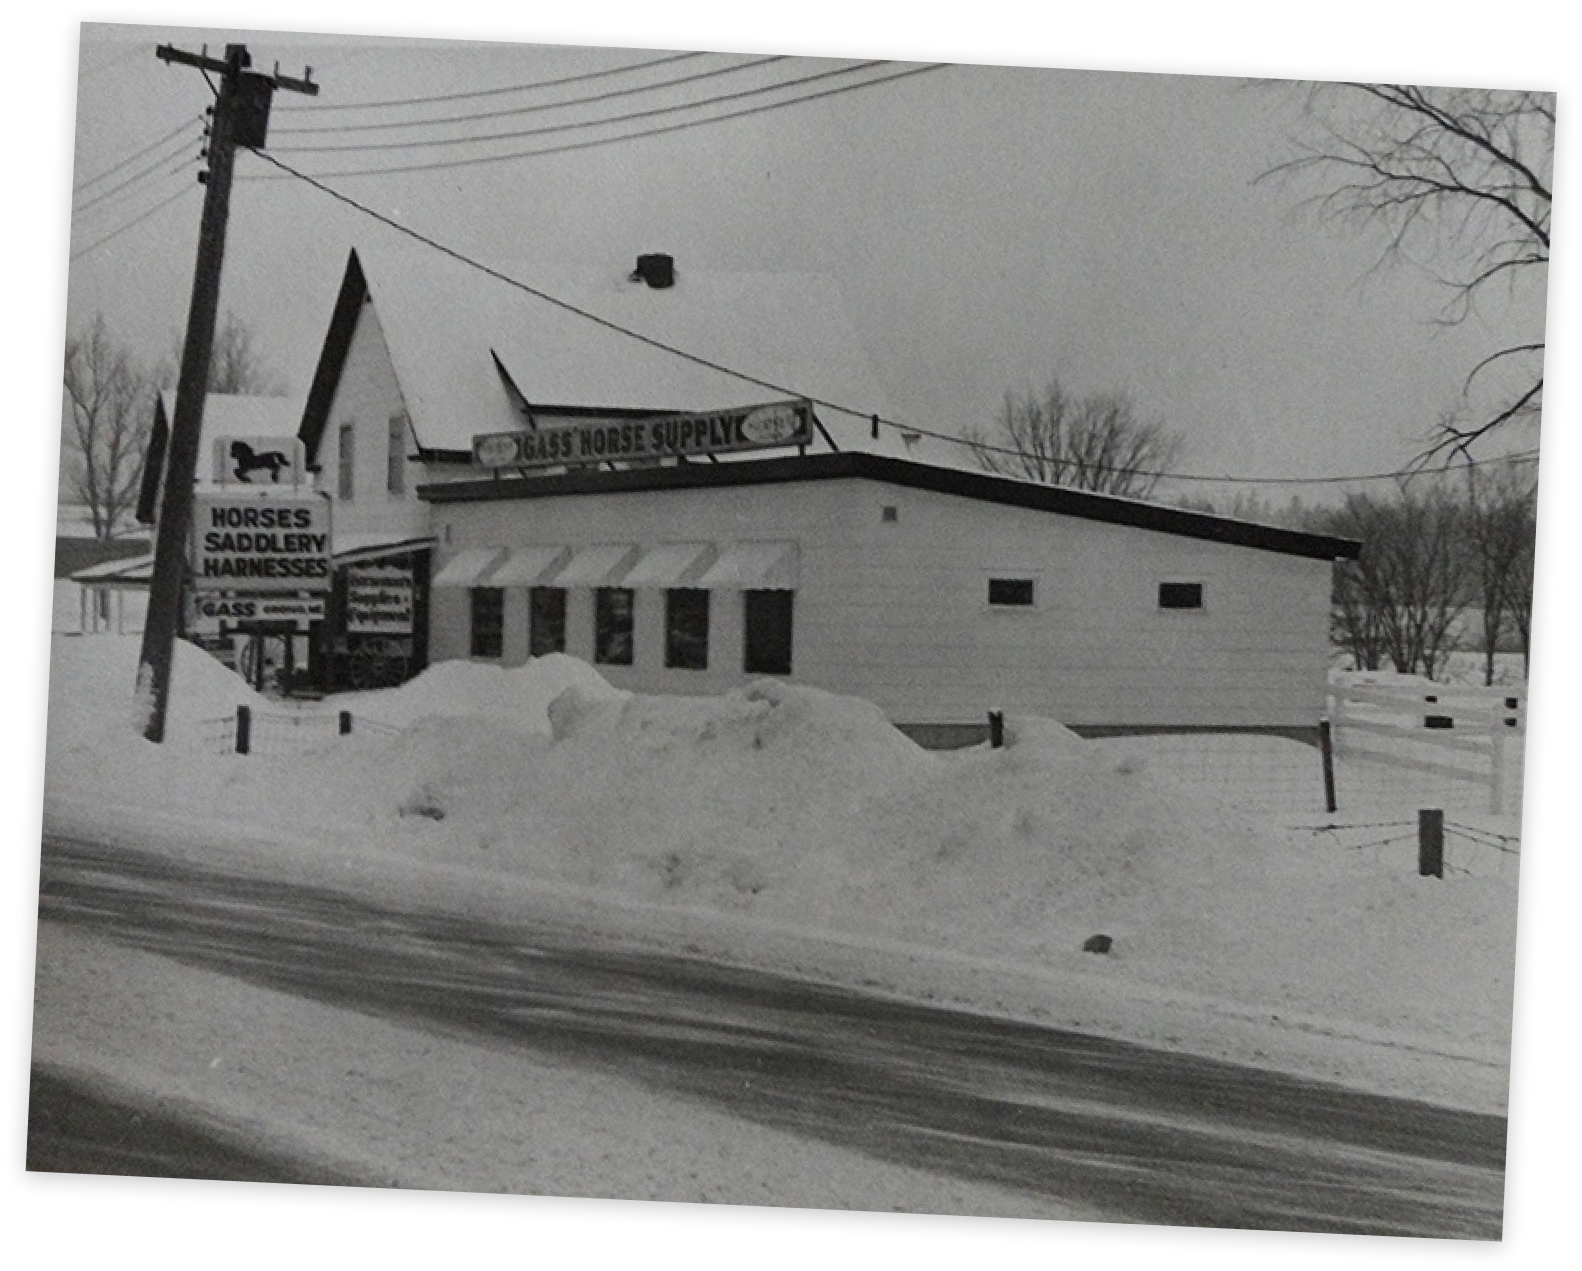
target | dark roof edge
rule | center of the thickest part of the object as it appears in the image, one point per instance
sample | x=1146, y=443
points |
x=847, y=464
x=332, y=357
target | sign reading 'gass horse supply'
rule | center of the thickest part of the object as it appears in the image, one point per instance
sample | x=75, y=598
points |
x=609, y=441
x=260, y=542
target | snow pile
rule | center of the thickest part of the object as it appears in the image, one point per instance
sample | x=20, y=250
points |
x=519, y=696
x=783, y=805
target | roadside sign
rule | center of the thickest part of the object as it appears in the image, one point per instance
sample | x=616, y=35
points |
x=260, y=541
x=214, y=613
x=262, y=461
x=379, y=599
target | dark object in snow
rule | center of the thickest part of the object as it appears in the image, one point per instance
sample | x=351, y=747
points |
x=657, y=269
x=1097, y=944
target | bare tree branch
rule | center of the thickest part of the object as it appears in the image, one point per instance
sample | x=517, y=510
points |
x=110, y=411
x=1460, y=182
x=1094, y=443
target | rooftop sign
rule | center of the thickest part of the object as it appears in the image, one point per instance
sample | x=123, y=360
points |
x=594, y=441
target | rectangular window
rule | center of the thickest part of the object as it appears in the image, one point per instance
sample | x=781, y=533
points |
x=395, y=462
x=343, y=461
x=488, y=621
x=1180, y=595
x=546, y=620
x=1011, y=591
x=612, y=626
x=687, y=628
x=767, y=637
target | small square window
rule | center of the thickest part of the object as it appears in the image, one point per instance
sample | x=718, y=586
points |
x=889, y=513
x=612, y=626
x=1011, y=591
x=687, y=629
x=1180, y=595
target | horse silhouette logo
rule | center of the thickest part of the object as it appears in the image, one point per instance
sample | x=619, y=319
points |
x=246, y=460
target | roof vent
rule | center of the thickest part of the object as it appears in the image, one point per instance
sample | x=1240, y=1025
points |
x=656, y=269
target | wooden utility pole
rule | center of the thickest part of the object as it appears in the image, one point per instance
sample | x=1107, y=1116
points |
x=240, y=116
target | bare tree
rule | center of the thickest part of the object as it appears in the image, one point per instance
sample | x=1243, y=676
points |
x=1090, y=443
x=235, y=363
x=109, y=399
x=1502, y=522
x=1403, y=597
x=1460, y=182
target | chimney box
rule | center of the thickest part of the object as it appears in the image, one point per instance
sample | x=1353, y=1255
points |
x=656, y=269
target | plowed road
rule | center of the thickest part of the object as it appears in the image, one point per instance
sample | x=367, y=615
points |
x=1141, y=1134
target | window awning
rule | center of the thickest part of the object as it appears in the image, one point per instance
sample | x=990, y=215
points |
x=671, y=565
x=765, y=566
x=127, y=571
x=346, y=549
x=603, y=565
x=468, y=567
x=529, y=566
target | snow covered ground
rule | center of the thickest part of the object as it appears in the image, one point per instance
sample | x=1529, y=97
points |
x=774, y=825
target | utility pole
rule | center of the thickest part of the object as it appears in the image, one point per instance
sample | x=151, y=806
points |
x=240, y=117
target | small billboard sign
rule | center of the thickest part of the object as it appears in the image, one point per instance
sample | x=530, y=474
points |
x=659, y=437
x=260, y=542
x=379, y=599
x=214, y=613
x=265, y=461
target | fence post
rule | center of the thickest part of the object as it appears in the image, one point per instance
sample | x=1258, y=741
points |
x=1497, y=765
x=1326, y=748
x=1431, y=842
x=996, y=729
x=346, y=722
x=244, y=729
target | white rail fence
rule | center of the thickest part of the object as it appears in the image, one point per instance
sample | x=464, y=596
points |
x=1454, y=736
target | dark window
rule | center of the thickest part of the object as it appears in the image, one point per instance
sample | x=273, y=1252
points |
x=344, y=483
x=1180, y=595
x=612, y=626
x=1010, y=591
x=488, y=622
x=546, y=620
x=395, y=461
x=767, y=639
x=687, y=628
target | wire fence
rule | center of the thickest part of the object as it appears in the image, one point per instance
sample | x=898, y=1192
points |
x=251, y=731
x=1399, y=847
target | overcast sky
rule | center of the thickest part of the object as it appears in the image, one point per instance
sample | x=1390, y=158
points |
x=990, y=227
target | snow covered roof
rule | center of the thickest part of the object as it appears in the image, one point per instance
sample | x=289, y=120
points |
x=451, y=329
x=224, y=415
x=981, y=486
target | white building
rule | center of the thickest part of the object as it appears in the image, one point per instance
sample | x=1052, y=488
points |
x=853, y=561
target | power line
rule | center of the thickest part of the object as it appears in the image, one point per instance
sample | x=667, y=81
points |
x=536, y=108
x=143, y=173
x=770, y=385
x=135, y=221
x=440, y=165
x=490, y=92
x=547, y=129
x=133, y=158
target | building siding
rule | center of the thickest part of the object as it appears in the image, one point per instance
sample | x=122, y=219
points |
x=896, y=611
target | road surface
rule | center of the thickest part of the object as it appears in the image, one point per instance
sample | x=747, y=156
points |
x=1144, y=1135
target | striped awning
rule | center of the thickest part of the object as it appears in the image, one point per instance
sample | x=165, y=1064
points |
x=468, y=568
x=529, y=566
x=671, y=565
x=603, y=565
x=761, y=566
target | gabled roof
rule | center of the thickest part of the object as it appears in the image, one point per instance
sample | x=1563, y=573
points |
x=452, y=330
x=224, y=415
x=984, y=487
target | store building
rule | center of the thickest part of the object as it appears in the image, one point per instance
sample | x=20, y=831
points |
x=938, y=594
x=514, y=475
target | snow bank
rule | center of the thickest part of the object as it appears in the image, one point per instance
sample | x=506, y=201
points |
x=807, y=811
